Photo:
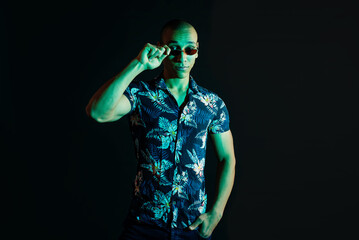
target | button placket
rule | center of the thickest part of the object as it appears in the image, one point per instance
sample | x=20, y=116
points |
x=180, y=110
x=173, y=102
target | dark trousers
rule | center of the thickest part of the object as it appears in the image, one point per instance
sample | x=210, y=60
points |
x=134, y=230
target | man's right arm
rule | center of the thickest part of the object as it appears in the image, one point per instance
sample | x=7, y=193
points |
x=109, y=103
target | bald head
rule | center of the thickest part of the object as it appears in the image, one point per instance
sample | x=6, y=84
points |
x=177, y=25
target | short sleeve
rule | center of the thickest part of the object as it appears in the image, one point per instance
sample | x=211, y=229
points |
x=131, y=93
x=220, y=122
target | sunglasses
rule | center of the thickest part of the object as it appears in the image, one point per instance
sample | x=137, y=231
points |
x=188, y=50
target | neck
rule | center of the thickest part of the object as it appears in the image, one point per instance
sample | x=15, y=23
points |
x=178, y=83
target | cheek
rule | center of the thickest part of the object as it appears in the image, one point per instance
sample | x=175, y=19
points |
x=167, y=61
x=192, y=60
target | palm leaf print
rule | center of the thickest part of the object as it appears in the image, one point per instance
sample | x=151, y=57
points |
x=209, y=100
x=157, y=168
x=197, y=166
x=158, y=99
x=166, y=133
x=179, y=183
x=187, y=116
x=200, y=204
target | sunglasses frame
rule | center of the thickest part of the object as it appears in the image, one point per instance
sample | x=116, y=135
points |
x=178, y=52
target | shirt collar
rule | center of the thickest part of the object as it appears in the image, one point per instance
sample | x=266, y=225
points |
x=160, y=83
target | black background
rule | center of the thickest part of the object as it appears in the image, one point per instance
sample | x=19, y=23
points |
x=288, y=72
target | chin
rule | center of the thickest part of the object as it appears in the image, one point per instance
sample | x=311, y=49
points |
x=179, y=74
x=182, y=74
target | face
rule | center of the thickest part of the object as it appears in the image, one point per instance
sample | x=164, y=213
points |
x=180, y=66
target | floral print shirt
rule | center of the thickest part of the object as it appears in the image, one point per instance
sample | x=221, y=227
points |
x=170, y=144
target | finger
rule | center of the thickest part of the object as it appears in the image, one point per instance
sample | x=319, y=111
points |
x=196, y=224
x=153, y=53
x=160, y=51
x=163, y=56
x=148, y=48
x=165, y=50
x=168, y=50
x=146, y=52
x=158, y=54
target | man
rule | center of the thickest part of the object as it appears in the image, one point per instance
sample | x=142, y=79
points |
x=170, y=118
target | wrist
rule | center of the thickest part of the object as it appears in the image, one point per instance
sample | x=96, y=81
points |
x=217, y=211
x=137, y=65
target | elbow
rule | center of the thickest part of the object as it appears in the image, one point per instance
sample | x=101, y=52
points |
x=93, y=115
x=232, y=162
x=100, y=118
x=88, y=110
x=229, y=160
x=228, y=163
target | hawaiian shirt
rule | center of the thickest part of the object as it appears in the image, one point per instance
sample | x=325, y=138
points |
x=170, y=147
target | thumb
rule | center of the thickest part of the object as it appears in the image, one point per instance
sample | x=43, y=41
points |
x=196, y=224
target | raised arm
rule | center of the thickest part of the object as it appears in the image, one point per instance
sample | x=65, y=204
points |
x=108, y=104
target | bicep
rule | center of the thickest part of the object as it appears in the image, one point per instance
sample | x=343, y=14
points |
x=121, y=109
x=223, y=144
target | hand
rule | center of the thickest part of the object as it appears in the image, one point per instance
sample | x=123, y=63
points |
x=206, y=222
x=151, y=56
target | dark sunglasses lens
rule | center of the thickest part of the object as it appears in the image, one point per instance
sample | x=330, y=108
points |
x=188, y=51
x=175, y=52
x=191, y=51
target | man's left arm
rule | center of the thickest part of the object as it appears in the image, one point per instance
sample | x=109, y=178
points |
x=223, y=143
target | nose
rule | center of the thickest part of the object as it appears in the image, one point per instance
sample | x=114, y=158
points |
x=182, y=57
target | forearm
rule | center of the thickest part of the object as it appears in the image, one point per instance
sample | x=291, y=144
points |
x=108, y=95
x=224, y=185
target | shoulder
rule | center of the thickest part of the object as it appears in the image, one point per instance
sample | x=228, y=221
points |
x=211, y=99
x=204, y=90
x=209, y=93
x=140, y=84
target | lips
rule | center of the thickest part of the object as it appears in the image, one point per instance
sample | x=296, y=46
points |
x=181, y=68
